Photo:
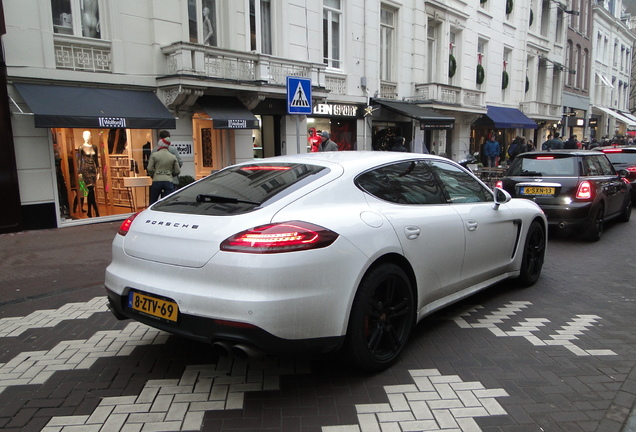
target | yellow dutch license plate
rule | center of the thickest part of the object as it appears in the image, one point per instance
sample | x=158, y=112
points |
x=534, y=190
x=156, y=307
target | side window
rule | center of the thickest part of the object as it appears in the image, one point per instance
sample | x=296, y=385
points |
x=459, y=185
x=592, y=166
x=409, y=182
x=606, y=166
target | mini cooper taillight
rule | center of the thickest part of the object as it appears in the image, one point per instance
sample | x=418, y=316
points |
x=584, y=191
x=125, y=225
x=280, y=237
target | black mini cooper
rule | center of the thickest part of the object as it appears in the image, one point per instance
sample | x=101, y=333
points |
x=577, y=190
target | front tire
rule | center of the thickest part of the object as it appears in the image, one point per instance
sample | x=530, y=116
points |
x=382, y=318
x=533, y=255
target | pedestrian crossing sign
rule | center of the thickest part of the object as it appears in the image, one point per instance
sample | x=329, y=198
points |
x=298, y=95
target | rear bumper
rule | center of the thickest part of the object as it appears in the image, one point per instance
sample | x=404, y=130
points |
x=208, y=330
x=574, y=215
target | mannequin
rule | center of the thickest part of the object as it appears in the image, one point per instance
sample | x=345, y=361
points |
x=90, y=18
x=208, y=31
x=88, y=169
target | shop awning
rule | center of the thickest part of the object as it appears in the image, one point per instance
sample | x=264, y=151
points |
x=89, y=107
x=629, y=122
x=428, y=118
x=506, y=118
x=228, y=112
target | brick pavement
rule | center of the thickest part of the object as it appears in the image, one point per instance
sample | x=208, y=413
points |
x=557, y=356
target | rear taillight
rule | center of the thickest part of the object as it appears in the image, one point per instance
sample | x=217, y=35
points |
x=584, y=192
x=499, y=184
x=125, y=225
x=280, y=237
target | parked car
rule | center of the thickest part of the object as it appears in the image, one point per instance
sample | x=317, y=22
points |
x=623, y=158
x=578, y=190
x=321, y=251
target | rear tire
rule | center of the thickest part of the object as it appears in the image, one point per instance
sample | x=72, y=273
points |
x=382, y=318
x=595, y=228
x=533, y=255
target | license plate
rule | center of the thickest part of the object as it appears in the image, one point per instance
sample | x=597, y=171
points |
x=534, y=190
x=153, y=306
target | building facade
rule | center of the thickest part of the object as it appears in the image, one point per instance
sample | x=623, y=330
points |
x=107, y=75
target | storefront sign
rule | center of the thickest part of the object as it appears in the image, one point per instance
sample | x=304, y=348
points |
x=424, y=125
x=336, y=110
x=184, y=148
x=112, y=122
x=237, y=124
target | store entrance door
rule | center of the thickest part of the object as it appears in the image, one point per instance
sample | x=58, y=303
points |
x=209, y=153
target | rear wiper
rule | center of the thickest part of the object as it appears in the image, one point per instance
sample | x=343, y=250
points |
x=531, y=174
x=207, y=198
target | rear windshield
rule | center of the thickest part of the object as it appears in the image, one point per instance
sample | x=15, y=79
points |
x=240, y=189
x=545, y=166
x=622, y=158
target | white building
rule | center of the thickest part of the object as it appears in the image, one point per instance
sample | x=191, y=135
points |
x=443, y=74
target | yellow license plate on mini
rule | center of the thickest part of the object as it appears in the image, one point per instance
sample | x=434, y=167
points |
x=535, y=190
x=153, y=306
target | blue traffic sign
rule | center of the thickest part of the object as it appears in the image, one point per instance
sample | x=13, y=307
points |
x=298, y=95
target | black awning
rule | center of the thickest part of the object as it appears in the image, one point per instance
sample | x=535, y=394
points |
x=428, y=118
x=506, y=118
x=228, y=112
x=89, y=107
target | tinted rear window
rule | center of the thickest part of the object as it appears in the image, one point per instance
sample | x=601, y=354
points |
x=622, y=158
x=241, y=189
x=545, y=166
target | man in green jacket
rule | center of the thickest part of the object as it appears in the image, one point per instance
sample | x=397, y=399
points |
x=162, y=167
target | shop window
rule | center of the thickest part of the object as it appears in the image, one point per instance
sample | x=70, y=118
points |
x=261, y=26
x=202, y=23
x=331, y=28
x=77, y=17
x=91, y=168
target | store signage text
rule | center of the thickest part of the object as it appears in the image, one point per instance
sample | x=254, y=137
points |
x=184, y=148
x=336, y=110
x=112, y=122
x=237, y=124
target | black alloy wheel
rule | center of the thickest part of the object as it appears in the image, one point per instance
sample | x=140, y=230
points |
x=595, y=228
x=533, y=255
x=382, y=318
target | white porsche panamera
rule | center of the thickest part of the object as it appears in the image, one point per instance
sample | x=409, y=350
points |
x=320, y=252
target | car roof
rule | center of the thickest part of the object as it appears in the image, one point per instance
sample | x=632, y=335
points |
x=615, y=148
x=355, y=160
x=575, y=152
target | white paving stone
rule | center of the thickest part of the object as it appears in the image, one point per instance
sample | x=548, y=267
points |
x=442, y=410
x=564, y=337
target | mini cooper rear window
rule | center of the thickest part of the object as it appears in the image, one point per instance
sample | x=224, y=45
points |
x=545, y=165
x=240, y=189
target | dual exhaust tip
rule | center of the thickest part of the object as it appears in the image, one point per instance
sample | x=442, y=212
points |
x=240, y=350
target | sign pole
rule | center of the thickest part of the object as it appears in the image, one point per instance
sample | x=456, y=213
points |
x=297, y=135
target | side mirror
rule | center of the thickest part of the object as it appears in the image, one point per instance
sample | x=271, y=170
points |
x=501, y=197
x=623, y=173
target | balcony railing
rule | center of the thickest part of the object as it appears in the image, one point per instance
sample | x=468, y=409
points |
x=82, y=54
x=388, y=90
x=452, y=95
x=541, y=109
x=211, y=62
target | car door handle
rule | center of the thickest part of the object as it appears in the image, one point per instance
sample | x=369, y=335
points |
x=471, y=225
x=412, y=232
